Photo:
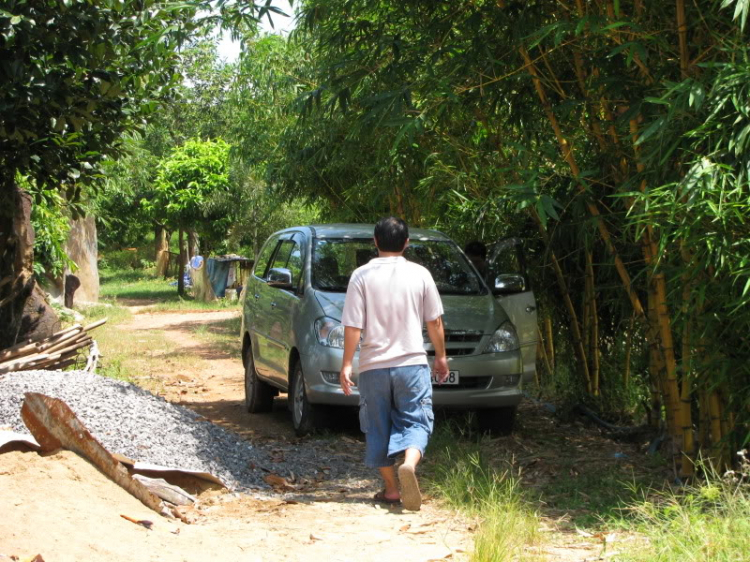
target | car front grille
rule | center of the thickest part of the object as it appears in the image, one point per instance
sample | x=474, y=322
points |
x=466, y=383
x=457, y=337
x=453, y=351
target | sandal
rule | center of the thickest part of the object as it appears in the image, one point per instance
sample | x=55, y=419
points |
x=380, y=498
x=410, y=494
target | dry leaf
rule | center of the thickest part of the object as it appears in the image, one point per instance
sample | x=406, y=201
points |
x=405, y=527
x=277, y=481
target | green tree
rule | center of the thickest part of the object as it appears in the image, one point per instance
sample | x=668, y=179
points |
x=185, y=182
x=75, y=75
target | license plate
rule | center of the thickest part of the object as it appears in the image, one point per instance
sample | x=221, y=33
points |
x=452, y=379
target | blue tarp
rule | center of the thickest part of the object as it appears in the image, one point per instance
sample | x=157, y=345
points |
x=217, y=274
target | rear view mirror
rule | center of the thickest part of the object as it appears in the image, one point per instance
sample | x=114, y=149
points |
x=280, y=277
x=509, y=283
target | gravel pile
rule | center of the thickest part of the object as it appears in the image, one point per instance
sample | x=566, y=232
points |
x=133, y=422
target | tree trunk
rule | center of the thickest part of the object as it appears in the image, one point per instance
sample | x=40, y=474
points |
x=24, y=311
x=161, y=250
x=181, y=265
x=193, y=243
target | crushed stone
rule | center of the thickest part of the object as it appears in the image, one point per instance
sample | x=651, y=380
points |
x=131, y=421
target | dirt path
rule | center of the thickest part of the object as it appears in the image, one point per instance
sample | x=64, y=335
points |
x=193, y=358
x=79, y=510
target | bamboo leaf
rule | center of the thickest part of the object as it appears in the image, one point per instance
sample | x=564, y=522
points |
x=651, y=130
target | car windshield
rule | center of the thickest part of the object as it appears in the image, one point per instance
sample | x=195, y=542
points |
x=334, y=260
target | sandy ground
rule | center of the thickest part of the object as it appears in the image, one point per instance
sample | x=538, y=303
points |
x=61, y=507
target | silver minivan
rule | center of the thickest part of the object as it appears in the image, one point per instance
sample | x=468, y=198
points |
x=292, y=337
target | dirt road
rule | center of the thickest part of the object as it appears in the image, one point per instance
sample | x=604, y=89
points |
x=64, y=509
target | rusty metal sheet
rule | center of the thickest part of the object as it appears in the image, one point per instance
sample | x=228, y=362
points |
x=55, y=425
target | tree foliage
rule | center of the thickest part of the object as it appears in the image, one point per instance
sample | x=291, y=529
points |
x=614, y=138
x=187, y=179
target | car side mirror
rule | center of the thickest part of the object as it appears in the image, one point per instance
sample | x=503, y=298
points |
x=280, y=277
x=509, y=283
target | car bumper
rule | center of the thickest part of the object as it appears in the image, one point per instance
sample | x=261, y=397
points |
x=489, y=380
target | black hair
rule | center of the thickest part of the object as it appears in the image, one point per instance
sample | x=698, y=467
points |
x=476, y=248
x=391, y=234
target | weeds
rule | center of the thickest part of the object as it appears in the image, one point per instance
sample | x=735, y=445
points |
x=709, y=521
x=459, y=475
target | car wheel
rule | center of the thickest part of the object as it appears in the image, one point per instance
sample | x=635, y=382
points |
x=304, y=415
x=497, y=421
x=258, y=394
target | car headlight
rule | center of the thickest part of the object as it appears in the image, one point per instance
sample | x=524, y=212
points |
x=504, y=339
x=330, y=332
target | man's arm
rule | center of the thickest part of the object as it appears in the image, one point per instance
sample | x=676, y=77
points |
x=351, y=340
x=437, y=337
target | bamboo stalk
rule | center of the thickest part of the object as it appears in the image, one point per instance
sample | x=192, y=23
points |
x=628, y=350
x=550, y=342
x=716, y=435
x=682, y=34
x=567, y=153
x=62, y=342
x=543, y=353
x=562, y=284
x=18, y=351
x=594, y=316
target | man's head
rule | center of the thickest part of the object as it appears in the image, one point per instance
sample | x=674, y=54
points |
x=391, y=234
x=477, y=253
x=476, y=249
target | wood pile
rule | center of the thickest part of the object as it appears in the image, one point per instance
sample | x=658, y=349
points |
x=58, y=351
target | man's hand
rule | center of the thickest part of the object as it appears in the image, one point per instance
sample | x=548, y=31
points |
x=351, y=340
x=436, y=332
x=345, y=379
x=440, y=368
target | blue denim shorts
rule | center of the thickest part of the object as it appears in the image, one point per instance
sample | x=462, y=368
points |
x=395, y=412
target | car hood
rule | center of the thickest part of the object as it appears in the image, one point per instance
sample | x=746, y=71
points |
x=331, y=303
x=471, y=313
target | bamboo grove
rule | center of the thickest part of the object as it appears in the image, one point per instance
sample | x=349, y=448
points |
x=612, y=135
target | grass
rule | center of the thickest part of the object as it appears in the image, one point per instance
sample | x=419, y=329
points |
x=140, y=285
x=458, y=474
x=591, y=498
x=706, y=521
x=123, y=357
x=224, y=335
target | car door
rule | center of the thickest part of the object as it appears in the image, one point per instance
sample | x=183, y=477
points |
x=283, y=308
x=257, y=306
x=506, y=257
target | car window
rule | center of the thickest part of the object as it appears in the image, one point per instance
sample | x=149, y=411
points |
x=507, y=257
x=281, y=257
x=264, y=257
x=334, y=260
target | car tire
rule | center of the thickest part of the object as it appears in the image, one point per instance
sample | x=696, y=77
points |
x=497, y=421
x=305, y=416
x=258, y=394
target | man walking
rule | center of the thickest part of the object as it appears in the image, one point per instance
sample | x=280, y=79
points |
x=388, y=301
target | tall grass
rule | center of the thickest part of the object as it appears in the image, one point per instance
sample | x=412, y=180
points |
x=707, y=522
x=460, y=477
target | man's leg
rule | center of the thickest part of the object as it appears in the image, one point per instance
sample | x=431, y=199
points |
x=412, y=426
x=388, y=473
x=375, y=422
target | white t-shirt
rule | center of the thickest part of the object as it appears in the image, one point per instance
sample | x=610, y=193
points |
x=390, y=299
